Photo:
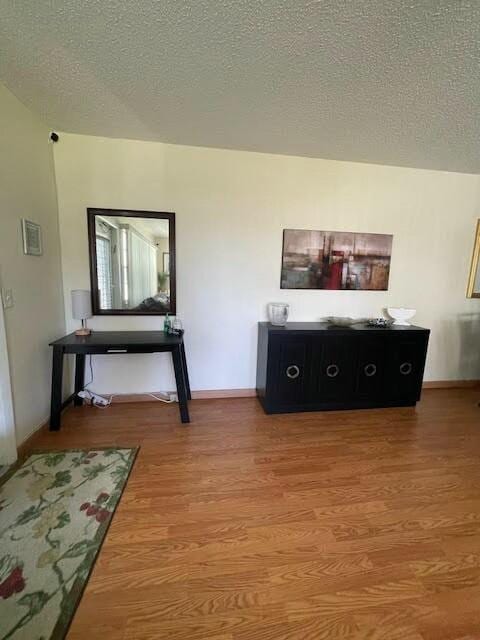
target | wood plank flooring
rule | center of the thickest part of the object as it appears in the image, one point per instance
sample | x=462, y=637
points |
x=241, y=526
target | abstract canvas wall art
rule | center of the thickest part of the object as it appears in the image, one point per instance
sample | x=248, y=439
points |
x=335, y=260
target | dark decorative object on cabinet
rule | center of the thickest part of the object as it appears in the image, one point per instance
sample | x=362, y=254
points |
x=312, y=366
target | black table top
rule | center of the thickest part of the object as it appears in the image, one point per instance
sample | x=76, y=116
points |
x=326, y=326
x=120, y=338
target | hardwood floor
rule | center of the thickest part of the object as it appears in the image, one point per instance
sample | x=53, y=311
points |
x=242, y=526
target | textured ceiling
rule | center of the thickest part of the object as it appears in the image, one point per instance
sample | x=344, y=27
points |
x=383, y=81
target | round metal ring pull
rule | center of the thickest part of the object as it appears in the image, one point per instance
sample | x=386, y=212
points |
x=292, y=372
x=333, y=370
x=370, y=369
x=406, y=368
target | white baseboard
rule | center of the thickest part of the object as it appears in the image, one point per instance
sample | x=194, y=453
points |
x=205, y=394
x=450, y=384
x=211, y=394
x=34, y=430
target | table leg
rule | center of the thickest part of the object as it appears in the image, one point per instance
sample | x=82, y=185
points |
x=181, y=385
x=79, y=378
x=185, y=371
x=56, y=398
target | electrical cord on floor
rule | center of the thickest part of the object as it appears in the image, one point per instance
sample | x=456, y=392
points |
x=91, y=396
x=90, y=363
x=169, y=401
x=159, y=398
x=94, y=399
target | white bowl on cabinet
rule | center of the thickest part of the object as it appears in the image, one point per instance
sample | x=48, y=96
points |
x=401, y=315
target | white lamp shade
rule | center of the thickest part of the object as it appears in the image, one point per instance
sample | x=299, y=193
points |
x=81, y=304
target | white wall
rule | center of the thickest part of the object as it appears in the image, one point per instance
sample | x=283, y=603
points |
x=27, y=189
x=8, y=441
x=231, y=208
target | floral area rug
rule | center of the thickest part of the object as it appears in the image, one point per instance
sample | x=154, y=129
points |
x=55, y=509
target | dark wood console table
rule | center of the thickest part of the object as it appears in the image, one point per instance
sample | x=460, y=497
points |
x=313, y=366
x=114, y=342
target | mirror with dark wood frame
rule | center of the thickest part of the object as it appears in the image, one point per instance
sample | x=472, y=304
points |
x=132, y=262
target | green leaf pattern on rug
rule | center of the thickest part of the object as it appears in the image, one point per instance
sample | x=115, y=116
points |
x=62, y=478
x=34, y=601
x=54, y=459
x=54, y=511
x=31, y=513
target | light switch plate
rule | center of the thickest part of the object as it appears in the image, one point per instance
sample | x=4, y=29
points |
x=7, y=298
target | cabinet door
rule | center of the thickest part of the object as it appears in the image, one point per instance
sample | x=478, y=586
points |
x=332, y=369
x=288, y=356
x=406, y=361
x=370, y=370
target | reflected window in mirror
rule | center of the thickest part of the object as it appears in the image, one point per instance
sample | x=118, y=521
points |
x=132, y=262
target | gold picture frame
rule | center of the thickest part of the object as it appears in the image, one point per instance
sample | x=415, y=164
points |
x=473, y=289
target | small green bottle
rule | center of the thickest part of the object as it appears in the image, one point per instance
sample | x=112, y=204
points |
x=167, y=325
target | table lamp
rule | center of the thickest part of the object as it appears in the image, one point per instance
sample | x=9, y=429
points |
x=81, y=310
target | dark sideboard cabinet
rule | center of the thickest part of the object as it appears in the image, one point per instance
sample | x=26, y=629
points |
x=310, y=366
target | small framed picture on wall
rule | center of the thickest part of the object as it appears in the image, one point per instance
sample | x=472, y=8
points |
x=32, y=238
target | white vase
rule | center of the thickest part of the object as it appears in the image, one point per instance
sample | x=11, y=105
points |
x=278, y=313
x=401, y=315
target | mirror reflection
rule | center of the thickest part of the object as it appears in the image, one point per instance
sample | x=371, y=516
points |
x=130, y=259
